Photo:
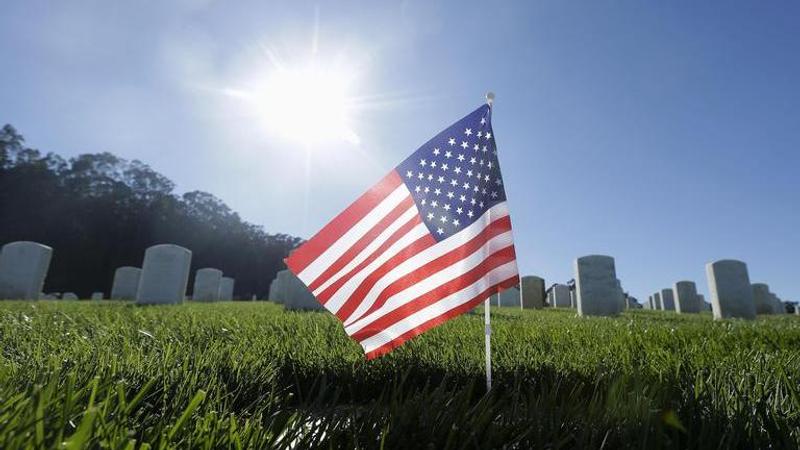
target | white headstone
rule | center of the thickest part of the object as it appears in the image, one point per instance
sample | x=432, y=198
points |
x=165, y=274
x=596, y=284
x=777, y=305
x=23, y=268
x=207, y=285
x=226, y=285
x=293, y=293
x=532, y=292
x=509, y=298
x=573, y=301
x=560, y=296
x=277, y=293
x=668, y=299
x=686, y=298
x=657, y=305
x=126, y=283
x=762, y=298
x=97, y=295
x=69, y=296
x=731, y=293
x=621, y=296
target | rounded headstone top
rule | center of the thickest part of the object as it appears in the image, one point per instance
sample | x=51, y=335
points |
x=532, y=277
x=760, y=286
x=168, y=247
x=682, y=282
x=727, y=262
x=210, y=270
x=27, y=244
x=128, y=268
x=595, y=258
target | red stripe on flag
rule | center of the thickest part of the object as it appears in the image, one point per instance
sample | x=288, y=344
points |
x=411, y=250
x=495, y=228
x=362, y=243
x=461, y=309
x=329, y=292
x=315, y=246
x=497, y=259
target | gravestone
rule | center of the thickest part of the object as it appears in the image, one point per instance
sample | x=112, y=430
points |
x=686, y=298
x=573, y=302
x=596, y=284
x=777, y=305
x=508, y=298
x=97, y=295
x=126, y=283
x=226, y=288
x=762, y=298
x=532, y=292
x=23, y=269
x=165, y=274
x=559, y=296
x=701, y=299
x=667, y=300
x=69, y=296
x=207, y=285
x=657, y=302
x=277, y=293
x=621, y=296
x=293, y=293
x=731, y=292
x=632, y=303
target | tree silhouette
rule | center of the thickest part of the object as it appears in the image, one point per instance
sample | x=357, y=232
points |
x=99, y=212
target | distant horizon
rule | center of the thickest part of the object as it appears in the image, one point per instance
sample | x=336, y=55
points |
x=663, y=135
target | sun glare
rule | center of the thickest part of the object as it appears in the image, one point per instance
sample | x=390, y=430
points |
x=310, y=104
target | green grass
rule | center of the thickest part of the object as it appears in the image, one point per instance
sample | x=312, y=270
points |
x=239, y=375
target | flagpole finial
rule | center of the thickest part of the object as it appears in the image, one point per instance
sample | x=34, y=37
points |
x=490, y=98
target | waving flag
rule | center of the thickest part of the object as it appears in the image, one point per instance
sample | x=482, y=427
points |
x=430, y=241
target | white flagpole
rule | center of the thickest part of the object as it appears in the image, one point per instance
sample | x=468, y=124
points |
x=487, y=317
x=488, y=328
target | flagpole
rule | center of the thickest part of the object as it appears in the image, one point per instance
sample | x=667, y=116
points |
x=488, y=327
x=487, y=317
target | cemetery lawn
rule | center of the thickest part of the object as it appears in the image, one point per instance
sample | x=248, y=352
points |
x=239, y=375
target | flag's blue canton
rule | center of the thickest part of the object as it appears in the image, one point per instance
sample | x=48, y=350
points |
x=455, y=177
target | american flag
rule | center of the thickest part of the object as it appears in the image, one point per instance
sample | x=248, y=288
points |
x=430, y=241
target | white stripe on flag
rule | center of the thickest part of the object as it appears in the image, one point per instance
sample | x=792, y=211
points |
x=377, y=242
x=337, y=300
x=439, y=308
x=446, y=275
x=420, y=259
x=332, y=253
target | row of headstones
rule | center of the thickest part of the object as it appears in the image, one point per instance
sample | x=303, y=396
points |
x=732, y=294
x=163, y=277
x=598, y=292
x=682, y=298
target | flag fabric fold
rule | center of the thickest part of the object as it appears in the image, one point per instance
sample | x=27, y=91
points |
x=428, y=242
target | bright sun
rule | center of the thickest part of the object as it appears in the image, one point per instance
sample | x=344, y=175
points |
x=310, y=104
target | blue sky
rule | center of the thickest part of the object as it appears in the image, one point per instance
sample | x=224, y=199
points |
x=665, y=134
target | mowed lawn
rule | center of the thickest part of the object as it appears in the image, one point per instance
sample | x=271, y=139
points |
x=238, y=375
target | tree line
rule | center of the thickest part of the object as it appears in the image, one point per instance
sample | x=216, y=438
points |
x=99, y=212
